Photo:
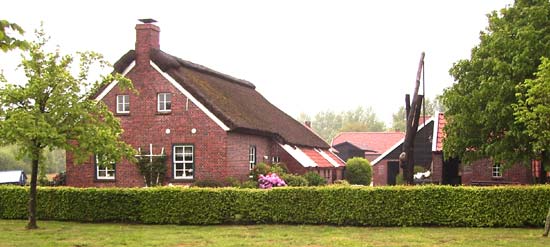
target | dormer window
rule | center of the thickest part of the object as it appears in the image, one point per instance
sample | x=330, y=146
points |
x=123, y=103
x=164, y=102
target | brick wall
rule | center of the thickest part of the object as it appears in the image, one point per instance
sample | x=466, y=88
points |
x=238, y=150
x=380, y=173
x=481, y=171
x=437, y=167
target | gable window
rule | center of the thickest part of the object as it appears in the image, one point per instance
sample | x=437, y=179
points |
x=497, y=170
x=252, y=156
x=275, y=159
x=164, y=102
x=105, y=170
x=183, y=160
x=123, y=103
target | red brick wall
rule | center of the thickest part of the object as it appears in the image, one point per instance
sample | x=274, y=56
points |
x=437, y=167
x=144, y=125
x=380, y=173
x=292, y=164
x=481, y=171
x=237, y=153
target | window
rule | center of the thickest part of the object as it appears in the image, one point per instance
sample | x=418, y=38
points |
x=275, y=159
x=497, y=170
x=183, y=159
x=105, y=170
x=164, y=102
x=252, y=157
x=123, y=104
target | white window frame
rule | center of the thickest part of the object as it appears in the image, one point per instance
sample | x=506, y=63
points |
x=105, y=169
x=251, y=157
x=122, y=100
x=496, y=170
x=162, y=102
x=188, y=166
x=275, y=159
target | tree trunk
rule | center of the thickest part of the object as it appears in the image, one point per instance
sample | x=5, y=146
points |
x=547, y=224
x=32, y=195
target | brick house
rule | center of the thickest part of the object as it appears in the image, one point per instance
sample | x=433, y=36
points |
x=210, y=126
x=428, y=153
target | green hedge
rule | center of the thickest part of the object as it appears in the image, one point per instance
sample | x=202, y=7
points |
x=515, y=206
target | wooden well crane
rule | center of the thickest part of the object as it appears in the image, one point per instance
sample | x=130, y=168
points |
x=412, y=109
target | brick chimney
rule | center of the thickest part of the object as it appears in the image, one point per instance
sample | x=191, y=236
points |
x=147, y=38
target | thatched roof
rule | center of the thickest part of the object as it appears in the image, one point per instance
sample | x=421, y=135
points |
x=234, y=101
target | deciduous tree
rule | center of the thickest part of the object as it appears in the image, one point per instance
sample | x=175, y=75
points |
x=7, y=41
x=480, y=112
x=51, y=111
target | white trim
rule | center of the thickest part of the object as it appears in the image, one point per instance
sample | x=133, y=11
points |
x=435, y=132
x=164, y=102
x=113, y=83
x=123, y=103
x=300, y=156
x=327, y=157
x=188, y=95
x=183, y=162
x=383, y=155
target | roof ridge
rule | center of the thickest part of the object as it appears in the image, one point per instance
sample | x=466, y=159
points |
x=200, y=68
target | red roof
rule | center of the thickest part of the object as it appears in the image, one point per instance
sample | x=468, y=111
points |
x=316, y=157
x=378, y=142
x=441, y=122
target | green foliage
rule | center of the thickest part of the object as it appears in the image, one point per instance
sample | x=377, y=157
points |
x=153, y=169
x=418, y=169
x=341, y=183
x=533, y=110
x=314, y=179
x=260, y=169
x=208, y=184
x=294, y=180
x=480, y=114
x=7, y=41
x=50, y=111
x=328, y=124
x=358, y=171
x=513, y=206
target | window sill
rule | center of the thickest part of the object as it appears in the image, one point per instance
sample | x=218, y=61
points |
x=104, y=180
x=164, y=112
x=122, y=114
x=182, y=180
x=497, y=178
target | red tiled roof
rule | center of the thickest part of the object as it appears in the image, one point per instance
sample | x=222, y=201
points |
x=378, y=142
x=316, y=157
x=441, y=122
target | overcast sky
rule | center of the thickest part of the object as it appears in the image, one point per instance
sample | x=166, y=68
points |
x=303, y=56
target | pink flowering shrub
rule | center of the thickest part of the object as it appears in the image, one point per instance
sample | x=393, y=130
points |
x=270, y=180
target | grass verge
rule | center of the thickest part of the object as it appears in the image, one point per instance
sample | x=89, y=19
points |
x=55, y=233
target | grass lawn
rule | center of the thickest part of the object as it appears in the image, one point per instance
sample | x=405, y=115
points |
x=55, y=233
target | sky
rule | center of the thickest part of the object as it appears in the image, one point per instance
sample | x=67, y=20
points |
x=303, y=56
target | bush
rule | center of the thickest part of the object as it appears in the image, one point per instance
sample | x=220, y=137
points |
x=341, y=183
x=314, y=179
x=208, y=183
x=270, y=180
x=249, y=184
x=358, y=171
x=294, y=180
x=511, y=206
x=259, y=169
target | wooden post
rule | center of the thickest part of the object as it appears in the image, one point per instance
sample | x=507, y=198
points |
x=547, y=224
x=413, y=115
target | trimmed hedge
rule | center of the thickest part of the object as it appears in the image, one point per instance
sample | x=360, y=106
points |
x=515, y=206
